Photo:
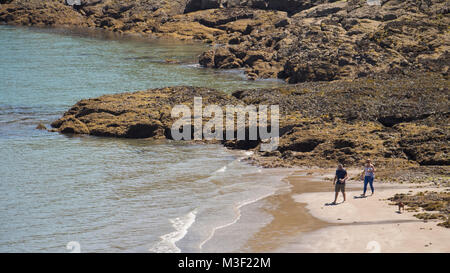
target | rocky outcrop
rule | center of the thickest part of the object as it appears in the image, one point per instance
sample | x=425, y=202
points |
x=40, y=13
x=431, y=205
x=114, y=15
x=134, y=115
x=402, y=121
x=296, y=40
x=341, y=40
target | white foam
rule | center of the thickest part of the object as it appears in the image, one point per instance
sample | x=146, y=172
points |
x=224, y=168
x=237, y=210
x=272, y=176
x=168, y=241
x=196, y=65
x=221, y=170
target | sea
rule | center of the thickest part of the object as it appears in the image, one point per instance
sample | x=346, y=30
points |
x=65, y=193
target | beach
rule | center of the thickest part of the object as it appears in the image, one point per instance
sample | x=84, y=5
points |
x=360, y=225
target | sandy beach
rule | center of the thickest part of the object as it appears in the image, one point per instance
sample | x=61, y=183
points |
x=304, y=221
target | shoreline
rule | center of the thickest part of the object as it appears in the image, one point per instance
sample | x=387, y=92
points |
x=104, y=34
x=289, y=218
x=302, y=222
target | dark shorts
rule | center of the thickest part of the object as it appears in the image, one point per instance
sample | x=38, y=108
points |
x=339, y=187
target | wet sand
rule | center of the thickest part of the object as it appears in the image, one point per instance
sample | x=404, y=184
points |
x=290, y=218
x=304, y=221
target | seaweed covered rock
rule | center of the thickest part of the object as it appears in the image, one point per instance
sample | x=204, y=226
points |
x=144, y=114
x=40, y=13
x=344, y=40
x=401, y=120
x=434, y=205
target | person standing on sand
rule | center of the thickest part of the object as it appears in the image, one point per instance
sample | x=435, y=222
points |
x=369, y=176
x=339, y=182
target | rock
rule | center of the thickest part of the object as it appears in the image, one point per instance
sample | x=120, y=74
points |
x=133, y=115
x=320, y=124
x=41, y=126
x=194, y=5
x=389, y=17
x=21, y=12
x=71, y=125
x=220, y=57
x=171, y=61
x=206, y=59
x=282, y=23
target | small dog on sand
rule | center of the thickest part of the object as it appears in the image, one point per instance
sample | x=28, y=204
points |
x=401, y=207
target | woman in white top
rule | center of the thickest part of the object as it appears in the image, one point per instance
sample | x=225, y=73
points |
x=368, y=174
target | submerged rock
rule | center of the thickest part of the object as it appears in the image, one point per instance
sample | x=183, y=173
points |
x=41, y=126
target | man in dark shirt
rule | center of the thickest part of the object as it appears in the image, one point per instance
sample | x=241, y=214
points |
x=339, y=182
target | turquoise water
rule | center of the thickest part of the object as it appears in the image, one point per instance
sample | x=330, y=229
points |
x=110, y=195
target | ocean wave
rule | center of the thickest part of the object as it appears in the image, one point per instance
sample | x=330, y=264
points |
x=169, y=240
x=221, y=170
x=237, y=210
x=196, y=65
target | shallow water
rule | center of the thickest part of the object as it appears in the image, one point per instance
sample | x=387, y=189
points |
x=111, y=195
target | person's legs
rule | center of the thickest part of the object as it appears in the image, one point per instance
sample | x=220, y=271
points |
x=343, y=191
x=336, y=190
x=371, y=184
x=366, y=180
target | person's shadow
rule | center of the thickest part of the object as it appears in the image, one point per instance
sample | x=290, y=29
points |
x=332, y=204
x=359, y=196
